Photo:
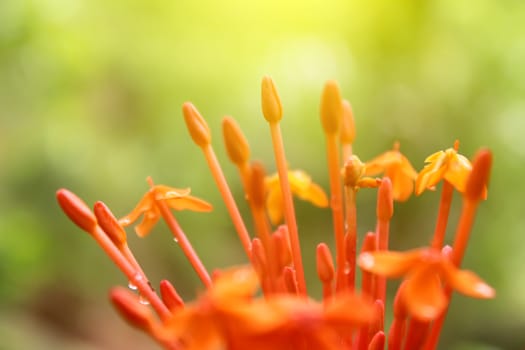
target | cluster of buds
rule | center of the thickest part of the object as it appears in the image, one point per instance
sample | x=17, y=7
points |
x=231, y=313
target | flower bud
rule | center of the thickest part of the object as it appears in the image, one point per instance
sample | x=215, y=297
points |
x=197, y=126
x=76, y=210
x=271, y=102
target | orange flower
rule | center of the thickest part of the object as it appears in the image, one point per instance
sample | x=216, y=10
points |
x=426, y=270
x=301, y=185
x=396, y=167
x=448, y=165
x=175, y=198
x=227, y=316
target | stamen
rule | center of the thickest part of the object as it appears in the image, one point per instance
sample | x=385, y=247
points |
x=272, y=111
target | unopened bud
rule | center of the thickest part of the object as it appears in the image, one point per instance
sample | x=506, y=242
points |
x=479, y=177
x=129, y=307
x=354, y=169
x=385, y=200
x=197, y=126
x=236, y=145
x=348, y=124
x=257, y=189
x=169, y=295
x=76, y=210
x=325, y=265
x=331, y=108
x=109, y=224
x=271, y=102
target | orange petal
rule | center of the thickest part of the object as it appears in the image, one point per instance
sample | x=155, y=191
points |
x=402, y=185
x=145, y=204
x=389, y=263
x=381, y=162
x=423, y=294
x=166, y=192
x=337, y=315
x=148, y=222
x=466, y=282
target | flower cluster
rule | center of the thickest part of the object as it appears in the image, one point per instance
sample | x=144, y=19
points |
x=230, y=313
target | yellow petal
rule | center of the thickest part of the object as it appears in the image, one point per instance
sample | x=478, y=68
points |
x=423, y=294
x=458, y=171
x=402, y=185
x=274, y=205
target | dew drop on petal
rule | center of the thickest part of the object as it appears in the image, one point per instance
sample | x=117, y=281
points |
x=131, y=286
x=143, y=300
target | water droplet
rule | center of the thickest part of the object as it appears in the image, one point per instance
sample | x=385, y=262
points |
x=347, y=268
x=175, y=240
x=132, y=286
x=143, y=300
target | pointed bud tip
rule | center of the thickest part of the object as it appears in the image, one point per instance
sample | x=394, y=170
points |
x=197, y=126
x=325, y=265
x=109, y=224
x=331, y=107
x=270, y=100
x=348, y=124
x=236, y=144
x=76, y=210
x=385, y=200
x=479, y=177
x=130, y=309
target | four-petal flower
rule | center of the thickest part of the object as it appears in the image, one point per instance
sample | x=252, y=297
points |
x=448, y=165
x=426, y=270
x=175, y=198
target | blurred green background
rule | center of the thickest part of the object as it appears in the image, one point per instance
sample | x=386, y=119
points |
x=90, y=99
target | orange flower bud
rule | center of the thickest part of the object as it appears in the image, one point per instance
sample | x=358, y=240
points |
x=197, y=126
x=348, y=124
x=129, y=307
x=109, y=224
x=236, y=144
x=271, y=102
x=331, y=108
x=257, y=191
x=385, y=201
x=478, y=179
x=325, y=265
x=169, y=295
x=76, y=210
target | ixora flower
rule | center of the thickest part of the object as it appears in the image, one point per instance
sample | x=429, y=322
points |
x=230, y=312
